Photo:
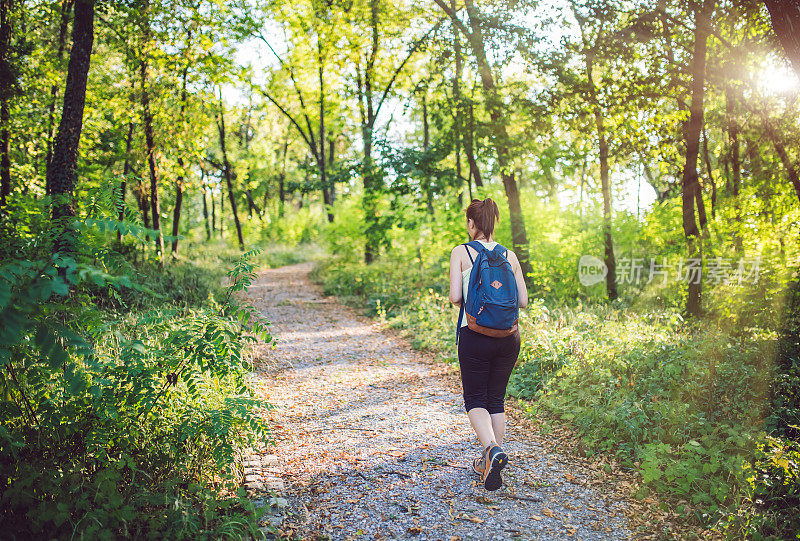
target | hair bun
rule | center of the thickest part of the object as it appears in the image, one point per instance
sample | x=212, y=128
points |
x=483, y=214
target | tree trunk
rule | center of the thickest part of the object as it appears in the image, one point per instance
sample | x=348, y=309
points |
x=213, y=212
x=780, y=149
x=126, y=170
x=147, y=117
x=426, y=134
x=6, y=87
x=457, y=120
x=426, y=139
x=371, y=246
x=323, y=170
x=5, y=141
x=369, y=203
x=176, y=215
x=689, y=180
x=605, y=185
x=735, y=165
x=785, y=16
x=251, y=204
x=66, y=9
x=282, y=178
x=228, y=173
x=331, y=157
x=61, y=169
x=707, y=159
x=501, y=140
x=144, y=203
x=221, y=222
x=469, y=146
x=203, y=189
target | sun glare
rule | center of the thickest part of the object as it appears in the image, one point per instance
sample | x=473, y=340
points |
x=778, y=79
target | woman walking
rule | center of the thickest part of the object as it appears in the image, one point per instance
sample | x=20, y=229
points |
x=486, y=355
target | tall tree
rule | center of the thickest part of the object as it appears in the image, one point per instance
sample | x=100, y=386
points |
x=589, y=53
x=317, y=53
x=6, y=86
x=63, y=27
x=228, y=172
x=372, y=91
x=692, y=130
x=494, y=105
x=179, y=179
x=61, y=170
x=147, y=118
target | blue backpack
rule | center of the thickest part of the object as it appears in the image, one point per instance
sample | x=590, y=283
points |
x=492, y=303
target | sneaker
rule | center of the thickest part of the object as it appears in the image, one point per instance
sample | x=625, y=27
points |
x=489, y=465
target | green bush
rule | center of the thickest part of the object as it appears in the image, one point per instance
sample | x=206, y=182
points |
x=123, y=424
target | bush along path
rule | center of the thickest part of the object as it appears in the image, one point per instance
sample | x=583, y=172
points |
x=371, y=440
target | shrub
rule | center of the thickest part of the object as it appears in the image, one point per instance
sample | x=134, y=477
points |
x=122, y=424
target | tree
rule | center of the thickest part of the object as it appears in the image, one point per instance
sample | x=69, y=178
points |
x=494, y=104
x=147, y=119
x=590, y=52
x=61, y=168
x=227, y=171
x=7, y=81
x=313, y=46
x=689, y=179
x=785, y=16
x=63, y=27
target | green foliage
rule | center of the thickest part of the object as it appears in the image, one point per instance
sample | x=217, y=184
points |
x=122, y=424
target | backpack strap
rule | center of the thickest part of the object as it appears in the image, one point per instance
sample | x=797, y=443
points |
x=478, y=247
x=460, y=319
x=471, y=260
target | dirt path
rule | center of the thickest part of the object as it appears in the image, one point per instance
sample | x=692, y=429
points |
x=373, y=442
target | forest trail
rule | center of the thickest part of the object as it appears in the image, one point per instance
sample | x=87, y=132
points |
x=372, y=441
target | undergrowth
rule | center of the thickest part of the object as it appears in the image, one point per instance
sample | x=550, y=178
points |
x=125, y=400
x=706, y=414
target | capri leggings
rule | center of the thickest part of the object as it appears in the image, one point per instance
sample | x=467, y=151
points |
x=486, y=364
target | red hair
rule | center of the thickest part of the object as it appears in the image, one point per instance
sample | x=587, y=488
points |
x=483, y=213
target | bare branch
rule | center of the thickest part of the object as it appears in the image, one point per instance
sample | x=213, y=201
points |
x=453, y=17
x=291, y=119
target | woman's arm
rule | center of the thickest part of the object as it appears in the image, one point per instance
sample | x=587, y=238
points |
x=456, y=285
x=522, y=289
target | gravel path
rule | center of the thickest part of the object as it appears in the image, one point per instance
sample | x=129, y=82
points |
x=372, y=441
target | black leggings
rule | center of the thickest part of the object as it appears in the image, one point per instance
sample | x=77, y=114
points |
x=486, y=364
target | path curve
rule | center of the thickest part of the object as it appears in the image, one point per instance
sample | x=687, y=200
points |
x=372, y=441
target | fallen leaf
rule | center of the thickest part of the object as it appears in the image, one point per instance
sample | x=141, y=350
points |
x=548, y=512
